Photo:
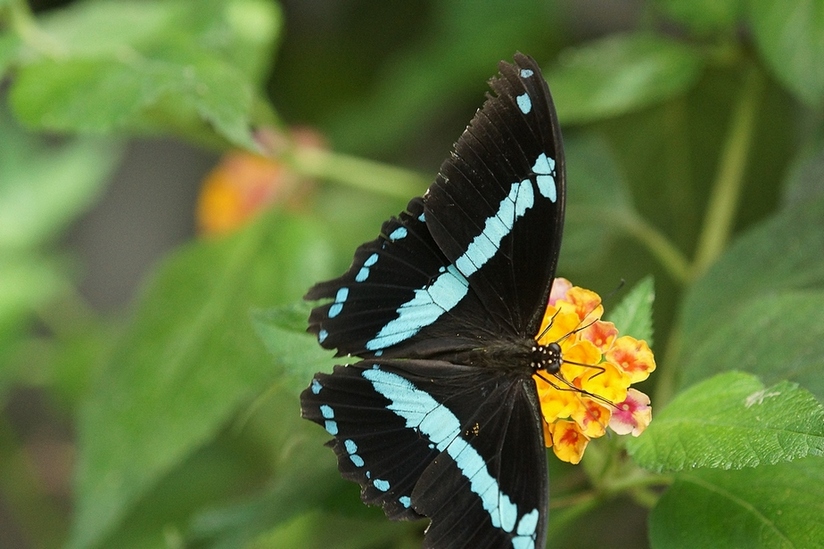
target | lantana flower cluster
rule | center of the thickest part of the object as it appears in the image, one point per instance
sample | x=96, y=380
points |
x=592, y=389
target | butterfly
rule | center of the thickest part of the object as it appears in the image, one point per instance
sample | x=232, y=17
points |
x=440, y=417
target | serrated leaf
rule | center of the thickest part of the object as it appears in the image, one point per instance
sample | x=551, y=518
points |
x=775, y=337
x=774, y=506
x=183, y=67
x=732, y=421
x=790, y=37
x=99, y=96
x=188, y=360
x=633, y=316
x=619, y=74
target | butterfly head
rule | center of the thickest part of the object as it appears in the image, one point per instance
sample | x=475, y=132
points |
x=546, y=358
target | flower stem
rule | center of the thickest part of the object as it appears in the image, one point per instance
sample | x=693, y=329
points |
x=729, y=181
x=356, y=172
x=668, y=255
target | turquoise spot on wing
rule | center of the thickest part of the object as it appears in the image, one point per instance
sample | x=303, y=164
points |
x=337, y=306
x=316, y=386
x=398, y=234
x=363, y=274
x=380, y=484
x=352, y=449
x=544, y=167
x=524, y=103
x=526, y=73
x=406, y=501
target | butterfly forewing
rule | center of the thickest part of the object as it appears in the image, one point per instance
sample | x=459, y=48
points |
x=496, y=208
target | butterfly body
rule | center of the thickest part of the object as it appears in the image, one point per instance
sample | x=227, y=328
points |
x=440, y=418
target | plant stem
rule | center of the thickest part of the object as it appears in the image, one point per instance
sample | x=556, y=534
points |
x=356, y=172
x=729, y=181
x=669, y=256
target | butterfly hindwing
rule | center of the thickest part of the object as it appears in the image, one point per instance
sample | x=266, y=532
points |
x=434, y=438
x=500, y=500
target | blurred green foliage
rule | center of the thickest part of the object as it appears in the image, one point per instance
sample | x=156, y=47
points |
x=694, y=148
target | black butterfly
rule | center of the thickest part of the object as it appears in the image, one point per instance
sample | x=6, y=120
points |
x=441, y=416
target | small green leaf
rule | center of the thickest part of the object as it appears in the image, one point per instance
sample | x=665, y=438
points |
x=189, y=358
x=732, y=421
x=619, y=74
x=774, y=337
x=790, y=37
x=774, y=506
x=283, y=331
x=633, y=316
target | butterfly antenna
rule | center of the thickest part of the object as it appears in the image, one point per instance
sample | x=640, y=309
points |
x=548, y=326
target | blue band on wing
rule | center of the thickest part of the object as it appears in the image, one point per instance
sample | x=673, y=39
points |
x=435, y=421
x=451, y=285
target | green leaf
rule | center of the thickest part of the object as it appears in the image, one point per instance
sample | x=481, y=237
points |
x=633, y=316
x=9, y=50
x=183, y=67
x=805, y=178
x=418, y=84
x=774, y=337
x=26, y=282
x=600, y=193
x=790, y=37
x=732, y=421
x=781, y=255
x=101, y=96
x=620, y=74
x=44, y=187
x=775, y=506
x=704, y=16
x=189, y=359
x=338, y=531
x=283, y=331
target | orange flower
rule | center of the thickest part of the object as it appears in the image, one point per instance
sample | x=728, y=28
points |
x=568, y=441
x=244, y=184
x=591, y=390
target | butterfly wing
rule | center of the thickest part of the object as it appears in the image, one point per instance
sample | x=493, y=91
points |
x=474, y=258
x=459, y=444
x=496, y=209
x=388, y=297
